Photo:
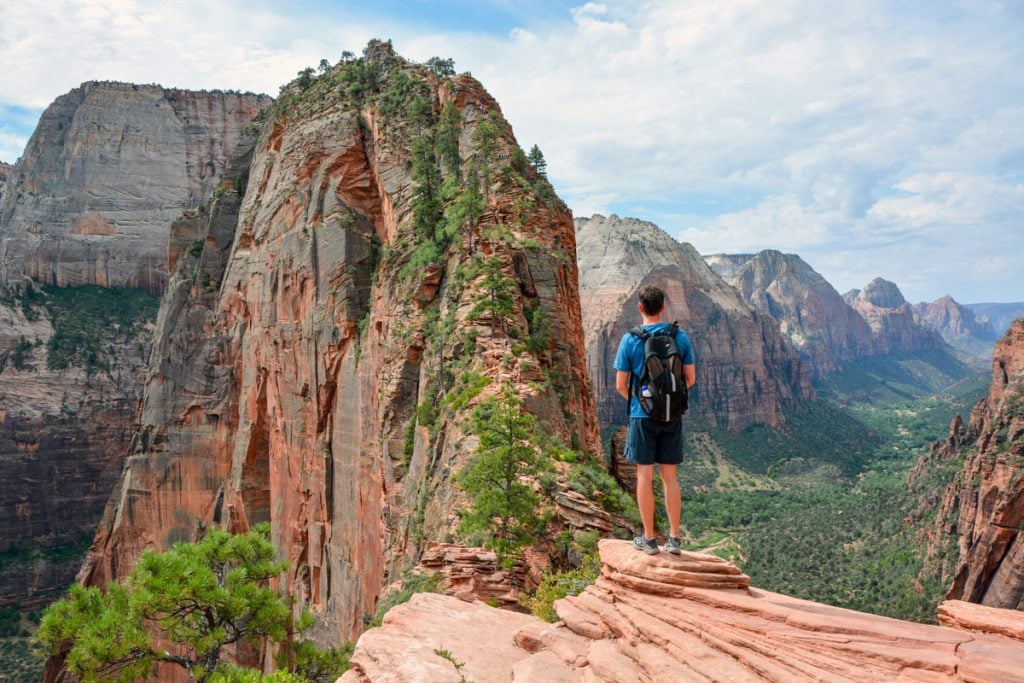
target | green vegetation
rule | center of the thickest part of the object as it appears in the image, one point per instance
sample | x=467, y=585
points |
x=536, y=159
x=895, y=378
x=817, y=434
x=21, y=559
x=502, y=508
x=845, y=535
x=411, y=584
x=497, y=302
x=87, y=319
x=201, y=597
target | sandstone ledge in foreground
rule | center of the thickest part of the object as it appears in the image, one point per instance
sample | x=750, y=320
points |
x=642, y=621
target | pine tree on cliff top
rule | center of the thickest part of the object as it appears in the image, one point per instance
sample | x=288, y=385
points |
x=197, y=597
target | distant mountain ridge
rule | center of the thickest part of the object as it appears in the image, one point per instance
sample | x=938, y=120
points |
x=958, y=324
x=1001, y=315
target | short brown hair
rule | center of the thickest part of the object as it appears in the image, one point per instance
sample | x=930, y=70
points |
x=652, y=300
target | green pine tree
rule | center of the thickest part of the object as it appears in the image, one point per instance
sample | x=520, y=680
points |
x=536, y=159
x=497, y=302
x=502, y=506
x=198, y=597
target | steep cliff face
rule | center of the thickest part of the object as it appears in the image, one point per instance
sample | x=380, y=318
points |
x=311, y=317
x=958, y=325
x=892, y=321
x=811, y=313
x=107, y=170
x=984, y=506
x=692, y=618
x=746, y=372
x=5, y=174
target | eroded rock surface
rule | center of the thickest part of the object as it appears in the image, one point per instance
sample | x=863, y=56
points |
x=958, y=325
x=747, y=373
x=811, y=313
x=892, y=320
x=984, y=506
x=107, y=170
x=295, y=342
x=667, y=618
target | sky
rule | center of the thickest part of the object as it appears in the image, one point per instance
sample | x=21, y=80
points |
x=877, y=138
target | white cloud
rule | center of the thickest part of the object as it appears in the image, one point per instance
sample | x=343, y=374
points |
x=847, y=132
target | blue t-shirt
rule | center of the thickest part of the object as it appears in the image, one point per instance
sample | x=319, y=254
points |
x=630, y=358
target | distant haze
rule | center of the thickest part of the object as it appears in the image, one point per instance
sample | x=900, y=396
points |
x=871, y=138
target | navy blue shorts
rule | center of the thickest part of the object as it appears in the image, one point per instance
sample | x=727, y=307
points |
x=649, y=441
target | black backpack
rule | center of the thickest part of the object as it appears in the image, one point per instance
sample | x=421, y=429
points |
x=661, y=390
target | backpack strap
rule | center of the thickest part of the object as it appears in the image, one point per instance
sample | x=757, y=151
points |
x=640, y=332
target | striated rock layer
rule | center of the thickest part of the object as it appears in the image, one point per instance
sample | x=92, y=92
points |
x=666, y=618
x=747, y=373
x=984, y=506
x=107, y=170
x=811, y=313
x=295, y=340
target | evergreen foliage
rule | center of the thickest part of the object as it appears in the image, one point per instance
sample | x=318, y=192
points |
x=497, y=302
x=536, y=159
x=502, y=502
x=442, y=67
x=200, y=597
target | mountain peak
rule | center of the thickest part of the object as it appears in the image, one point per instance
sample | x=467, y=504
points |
x=882, y=293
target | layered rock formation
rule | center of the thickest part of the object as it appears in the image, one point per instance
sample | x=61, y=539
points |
x=663, y=618
x=984, y=506
x=64, y=432
x=107, y=170
x=747, y=373
x=811, y=313
x=891, y=318
x=958, y=325
x=307, y=320
x=5, y=174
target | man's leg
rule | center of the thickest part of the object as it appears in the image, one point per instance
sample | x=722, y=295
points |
x=645, y=497
x=673, y=498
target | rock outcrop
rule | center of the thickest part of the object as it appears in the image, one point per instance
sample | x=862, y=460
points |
x=811, y=313
x=666, y=618
x=892, y=320
x=958, y=325
x=109, y=167
x=984, y=506
x=310, y=317
x=5, y=174
x=747, y=373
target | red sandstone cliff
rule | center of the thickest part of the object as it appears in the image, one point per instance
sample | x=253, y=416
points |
x=747, y=373
x=984, y=506
x=892, y=320
x=690, y=618
x=295, y=342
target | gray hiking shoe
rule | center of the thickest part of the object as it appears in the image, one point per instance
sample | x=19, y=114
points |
x=674, y=545
x=649, y=546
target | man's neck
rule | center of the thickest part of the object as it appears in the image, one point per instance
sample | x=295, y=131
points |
x=652, y=319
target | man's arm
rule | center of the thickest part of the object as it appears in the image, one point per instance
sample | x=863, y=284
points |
x=690, y=374
x=622, y=383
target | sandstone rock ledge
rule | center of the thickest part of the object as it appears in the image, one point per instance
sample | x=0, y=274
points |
x=666, y=618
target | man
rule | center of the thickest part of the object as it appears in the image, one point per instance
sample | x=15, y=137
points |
x=649, y=441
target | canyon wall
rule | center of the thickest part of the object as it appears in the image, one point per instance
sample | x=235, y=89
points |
x=984, y=506
x=108, y=168
x=747, y=372
x=5, y=174
x=811, y=313
x=322, y=339
x=958, y=325
x=892, y=319
x=91, y=202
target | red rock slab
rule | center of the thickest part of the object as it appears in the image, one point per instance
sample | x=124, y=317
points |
x=657, y=573
x=406, y=647
x=973, y=617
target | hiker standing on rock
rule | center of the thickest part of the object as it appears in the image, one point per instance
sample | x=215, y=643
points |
x=655, y=370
